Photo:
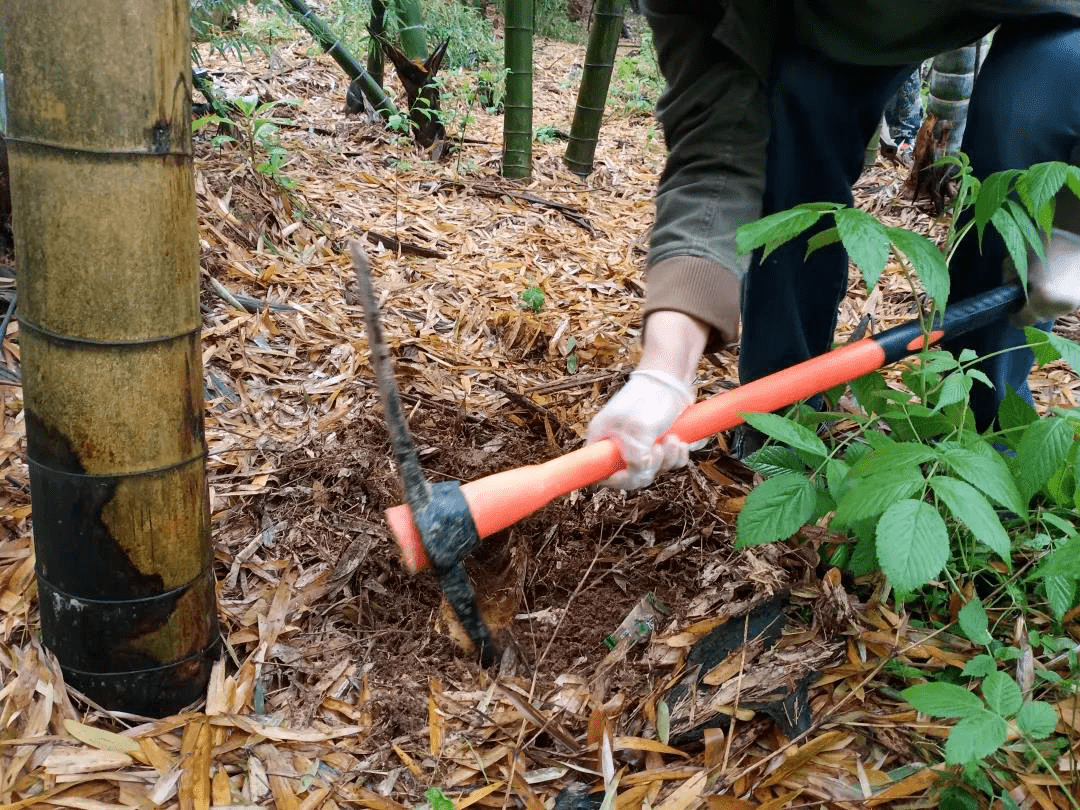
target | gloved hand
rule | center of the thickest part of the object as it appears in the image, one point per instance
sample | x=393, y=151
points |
x=635, y=418
x=1053, y=285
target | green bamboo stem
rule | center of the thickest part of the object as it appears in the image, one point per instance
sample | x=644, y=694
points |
x=377, y=29
x=517, y=105
x=413, y=33
x=373, y=91
x=595, y=80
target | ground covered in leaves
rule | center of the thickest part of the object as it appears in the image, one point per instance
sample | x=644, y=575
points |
x=344, y=684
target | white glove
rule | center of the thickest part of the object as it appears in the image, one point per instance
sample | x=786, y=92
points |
x=1053, y=286
x=638, y=415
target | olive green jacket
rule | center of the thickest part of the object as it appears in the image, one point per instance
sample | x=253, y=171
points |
x=715, y=56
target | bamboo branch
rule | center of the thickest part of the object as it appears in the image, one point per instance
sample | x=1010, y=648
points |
x=372, y=90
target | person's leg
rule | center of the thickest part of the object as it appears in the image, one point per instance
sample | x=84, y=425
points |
x=1025, y=109
x=822, y=115
x=904, y=112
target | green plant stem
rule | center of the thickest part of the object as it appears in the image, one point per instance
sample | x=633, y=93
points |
x=1071, y=796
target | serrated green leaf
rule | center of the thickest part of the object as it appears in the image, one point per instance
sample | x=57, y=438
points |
x=863, y=559
x=973, y=622
x=971, y=508
x=875, y=492
x=912, y=544
x=1015, y=411
x=980, y=666
x=867, y=391
x=775, y=229
x=1073, y=180
x=891, y=454
x=1038, y=185
x=438, y=800
x=865, y=241
x=1061, y=594
x=1049, y=347
x=975, y=738
x=992, y=194
x=1037, y=719
x=1002, y=694
x=956, y=798
x=928, y=261
x=940, y=699
x=955, y=389
x=829, y=236
x=782, y=429
x=1027, y=228
x=835, y=473
x=1014, y=241
x=775, y=510
x=773, y=460
x=1064, y=561
x=990, y=475
x=1042, y=449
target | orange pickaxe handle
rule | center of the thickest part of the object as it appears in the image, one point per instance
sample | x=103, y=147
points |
x=504, y=498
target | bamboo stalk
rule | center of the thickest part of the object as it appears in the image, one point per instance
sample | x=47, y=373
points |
x=517, y=104
x=108, y=280
x=952, y=78
x=595, y=80
x=372, y=90
x=413, y=33
x=377, y=30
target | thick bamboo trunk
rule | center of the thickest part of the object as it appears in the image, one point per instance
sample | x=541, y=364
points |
x=315, y=26
x=99, y=117
x=413, y=32
x=951, y=81
x=377, y=29
x=517, y=104
x=595, y=79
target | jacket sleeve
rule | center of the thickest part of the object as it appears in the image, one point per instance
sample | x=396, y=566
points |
x=714, y=56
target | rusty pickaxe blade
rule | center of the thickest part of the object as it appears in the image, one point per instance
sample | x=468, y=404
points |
x=439, y=511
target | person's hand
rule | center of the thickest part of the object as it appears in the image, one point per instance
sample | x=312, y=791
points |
x=658, y=391
x=635, y=418
x=1053, y=285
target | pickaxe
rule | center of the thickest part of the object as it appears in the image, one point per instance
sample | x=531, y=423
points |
x=441, y=529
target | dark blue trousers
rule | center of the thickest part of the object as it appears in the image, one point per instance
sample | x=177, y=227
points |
x=1025, y=109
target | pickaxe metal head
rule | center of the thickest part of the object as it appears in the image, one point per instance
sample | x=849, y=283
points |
x=439, y=511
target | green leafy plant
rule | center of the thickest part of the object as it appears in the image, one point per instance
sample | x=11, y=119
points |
x=549, y=134
x=437, y=800
x=925, y=498
x=532, y=299
x=986, y=720
x=257, y=128
x=636, y=81
x=219, y=25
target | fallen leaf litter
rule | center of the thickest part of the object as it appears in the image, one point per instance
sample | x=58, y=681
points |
x=342, y=686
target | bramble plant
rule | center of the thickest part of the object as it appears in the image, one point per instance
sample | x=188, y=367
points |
x=927, y=499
